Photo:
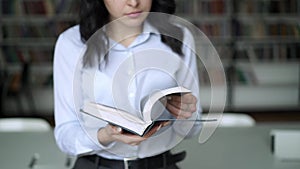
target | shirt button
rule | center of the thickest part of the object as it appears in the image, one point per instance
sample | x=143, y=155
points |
x=130, y=54
x=131, y=94
x=130, y=72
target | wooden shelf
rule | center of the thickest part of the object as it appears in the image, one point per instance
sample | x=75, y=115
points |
x=227, y=23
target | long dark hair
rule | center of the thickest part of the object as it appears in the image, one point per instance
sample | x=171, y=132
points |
x=94, y=15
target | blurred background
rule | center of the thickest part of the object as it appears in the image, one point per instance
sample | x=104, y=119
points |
x=258, y=42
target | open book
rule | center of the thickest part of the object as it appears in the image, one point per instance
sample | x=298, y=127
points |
x=127, y=121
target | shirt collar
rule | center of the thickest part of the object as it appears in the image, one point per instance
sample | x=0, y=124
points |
x=148, y=30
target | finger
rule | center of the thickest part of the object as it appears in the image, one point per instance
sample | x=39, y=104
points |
x=173, y=109
x=175, y=104
x=189, y=99
x=183, y=106
x=185, y=98
x=174, y=98
x=191, y=108
x=134, y=144
x=116, y=129
x=177, y=112
x=178, y=104
x=164, y=124
x=153, y=130
x=184, y=115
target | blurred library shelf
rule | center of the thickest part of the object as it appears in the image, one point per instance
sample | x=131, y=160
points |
x=28, y=32
x=258, y=42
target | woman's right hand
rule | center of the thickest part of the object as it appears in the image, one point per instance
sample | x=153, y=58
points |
x=111, y=133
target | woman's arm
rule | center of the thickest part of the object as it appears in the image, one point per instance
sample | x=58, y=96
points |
x=69, y=134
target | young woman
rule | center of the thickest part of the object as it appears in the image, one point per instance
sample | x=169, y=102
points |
x=120, y=29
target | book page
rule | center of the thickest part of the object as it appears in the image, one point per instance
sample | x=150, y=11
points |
x=116, y=117
x=107, y=113
x=158, y=95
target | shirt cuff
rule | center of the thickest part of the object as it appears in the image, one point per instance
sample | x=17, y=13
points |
x=97, y=146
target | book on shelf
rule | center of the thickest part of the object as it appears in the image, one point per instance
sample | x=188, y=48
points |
x=129, y=122
x=67, y=6
x=211, y=7
x=217, y=7
x=33, y=7
x=39, y=7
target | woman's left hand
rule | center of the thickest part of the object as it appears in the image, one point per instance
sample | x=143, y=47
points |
x=182, y=106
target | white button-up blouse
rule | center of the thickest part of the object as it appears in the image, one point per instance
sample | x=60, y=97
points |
x=129, y=75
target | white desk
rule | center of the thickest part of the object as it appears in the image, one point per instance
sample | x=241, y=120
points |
x=236, y=148
x=17, y=150
x=228, y=148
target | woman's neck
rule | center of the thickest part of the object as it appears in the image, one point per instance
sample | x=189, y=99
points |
x=123, y=34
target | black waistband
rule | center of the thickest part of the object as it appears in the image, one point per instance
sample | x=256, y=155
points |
x=158, y=161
